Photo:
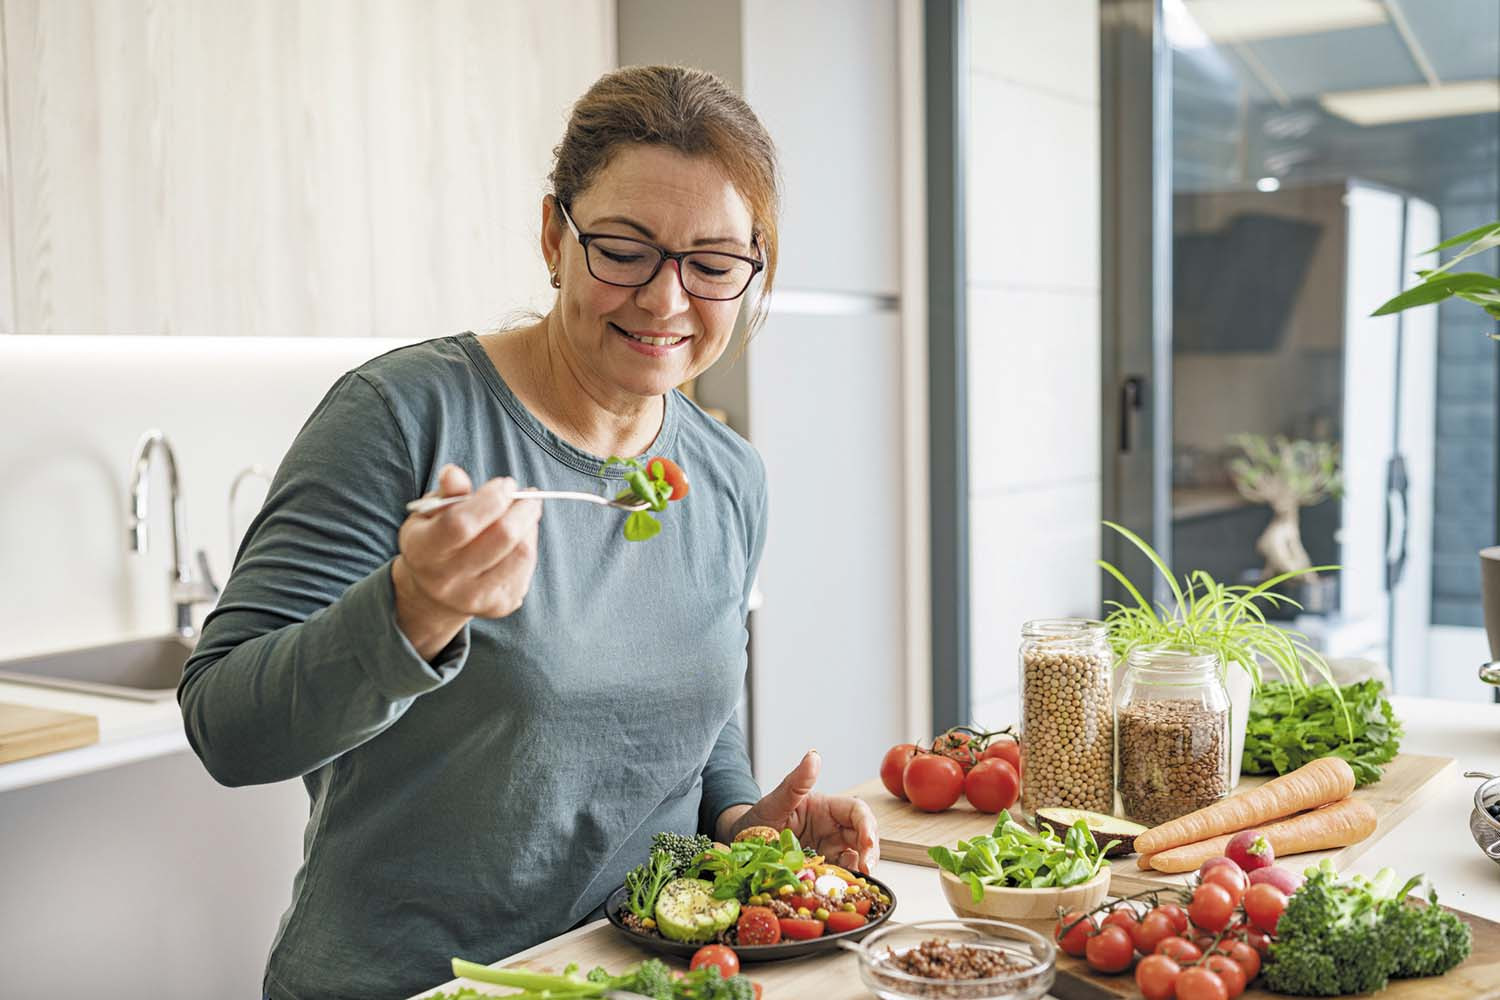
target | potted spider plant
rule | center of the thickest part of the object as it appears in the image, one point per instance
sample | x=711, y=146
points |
x=1230, y=619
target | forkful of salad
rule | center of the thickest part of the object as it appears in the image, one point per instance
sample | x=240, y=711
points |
x=651, y=487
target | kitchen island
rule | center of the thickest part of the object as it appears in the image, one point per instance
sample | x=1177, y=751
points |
x=1433, y=839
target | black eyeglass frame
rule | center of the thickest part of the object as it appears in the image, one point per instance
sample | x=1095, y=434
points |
x=663, y=255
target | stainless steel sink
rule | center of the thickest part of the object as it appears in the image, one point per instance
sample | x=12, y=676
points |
x=142, y=669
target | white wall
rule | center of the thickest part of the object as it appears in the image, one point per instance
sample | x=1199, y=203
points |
x=75, y=407
x=1033, y=328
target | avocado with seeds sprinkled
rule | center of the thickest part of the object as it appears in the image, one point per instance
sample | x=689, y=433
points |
x=1104, y=828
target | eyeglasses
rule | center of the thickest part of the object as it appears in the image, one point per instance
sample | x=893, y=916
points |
x=630, y=263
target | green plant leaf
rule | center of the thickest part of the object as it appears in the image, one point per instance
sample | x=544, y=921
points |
x=641, y=526
x=1485, y=241
x=1478, y=232
x=1439, y=286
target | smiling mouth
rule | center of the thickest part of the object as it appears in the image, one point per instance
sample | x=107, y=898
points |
x=653, y=341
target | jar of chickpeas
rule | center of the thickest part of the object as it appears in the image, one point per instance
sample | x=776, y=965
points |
x=1067, y=715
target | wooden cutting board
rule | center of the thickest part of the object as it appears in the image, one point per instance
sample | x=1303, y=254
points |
x=906, y=833
x=30, y=732
x=1478, y=978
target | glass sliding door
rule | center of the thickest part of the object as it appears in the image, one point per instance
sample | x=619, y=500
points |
x=1312, y=150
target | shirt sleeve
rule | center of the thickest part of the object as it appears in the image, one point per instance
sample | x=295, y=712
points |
x=302, y=659
x=728, y=779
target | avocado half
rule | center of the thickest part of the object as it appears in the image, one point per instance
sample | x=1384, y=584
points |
x=1104, y=828
x=687, y=911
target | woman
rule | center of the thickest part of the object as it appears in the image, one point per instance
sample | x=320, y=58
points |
x=495, y=710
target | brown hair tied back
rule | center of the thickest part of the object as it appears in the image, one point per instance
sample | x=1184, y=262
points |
x=687, y=110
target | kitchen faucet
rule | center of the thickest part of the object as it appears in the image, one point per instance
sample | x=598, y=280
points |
x=188, y=588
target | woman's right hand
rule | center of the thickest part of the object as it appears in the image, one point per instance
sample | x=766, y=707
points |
x=473, y=559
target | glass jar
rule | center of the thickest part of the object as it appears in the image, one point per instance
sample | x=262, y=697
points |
x=1067, y=716
x=1172, y=720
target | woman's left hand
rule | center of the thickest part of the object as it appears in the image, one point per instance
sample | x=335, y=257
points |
x=839, y=827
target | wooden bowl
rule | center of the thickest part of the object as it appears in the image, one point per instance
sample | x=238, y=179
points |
x=1023, y=904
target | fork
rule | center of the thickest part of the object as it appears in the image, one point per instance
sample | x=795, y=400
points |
x=426, y=505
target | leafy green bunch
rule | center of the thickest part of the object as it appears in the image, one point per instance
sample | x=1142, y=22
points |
x=1012, y=856
x=652, y=978
x=752, y=866
x=1226, y=619
x=645, y=484
x=1353, y=935
x=1439, y=283
x=1289, y=728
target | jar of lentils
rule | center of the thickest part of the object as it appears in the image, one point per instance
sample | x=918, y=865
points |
x=1173, y=732
x=1067, y=716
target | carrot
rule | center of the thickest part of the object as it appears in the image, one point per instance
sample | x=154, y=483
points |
x=1337, y=824
x=1143, y=861
x=1315, y=783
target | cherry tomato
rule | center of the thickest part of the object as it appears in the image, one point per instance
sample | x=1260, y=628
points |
x=1072, y=943
x=1124, y=918
x=1199, y=983
x=672, y=473
x=893, y=764
x=842, y=920
x=1264, y=904
x=1111, y=950
x=954, y=744
x=1005, y=748
x=758, y=925
x=1247, y=958
x=1259, y=940
x=1212, y=907
x=1156, y=977
x=1180, y=950
x=799, y=929
x=1153, y=927
x=717, y=954
x=1229, y=971
x=1177, y=913
x=932, y=782
x=1231, y=879
x=862, y=906
x=811, y=903
x=992, y=785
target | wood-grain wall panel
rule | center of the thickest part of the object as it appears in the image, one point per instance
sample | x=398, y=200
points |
x=295, y=167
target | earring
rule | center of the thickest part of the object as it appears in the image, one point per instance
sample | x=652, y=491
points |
x=556, y=281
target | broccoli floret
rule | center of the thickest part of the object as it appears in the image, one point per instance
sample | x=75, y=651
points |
x=1331, y=939
x=738, y=988
x=683, y=849
x=1428, y=940
x=1352, y=935
x=599, y=974
x=653, y=979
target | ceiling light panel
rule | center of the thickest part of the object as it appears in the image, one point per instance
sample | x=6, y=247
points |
x=1404, y=104
x=1226, y=21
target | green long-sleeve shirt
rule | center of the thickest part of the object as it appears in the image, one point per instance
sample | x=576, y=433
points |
x=494, y=797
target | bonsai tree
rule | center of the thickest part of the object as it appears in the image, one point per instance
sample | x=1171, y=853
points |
x=1287, y=475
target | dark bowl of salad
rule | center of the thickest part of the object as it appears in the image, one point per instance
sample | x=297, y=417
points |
x=763, y=896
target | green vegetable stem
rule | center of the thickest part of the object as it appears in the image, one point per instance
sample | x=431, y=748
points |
x=644, y=883
x=652, y=978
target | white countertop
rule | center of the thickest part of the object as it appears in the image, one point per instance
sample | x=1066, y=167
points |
x=128, y=731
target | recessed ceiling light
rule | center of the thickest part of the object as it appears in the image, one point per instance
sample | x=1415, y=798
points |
x=1228, y=21
x=1404, y=104
x=1268, y=184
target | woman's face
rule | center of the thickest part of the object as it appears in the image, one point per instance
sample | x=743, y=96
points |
x=677, y=203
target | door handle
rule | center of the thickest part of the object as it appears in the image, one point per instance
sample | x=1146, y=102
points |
x=1132, y=401
x=1396, y=485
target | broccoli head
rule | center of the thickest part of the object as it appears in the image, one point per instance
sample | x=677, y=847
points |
x=1428, y=940
x=683, y=849
x=1330, y=940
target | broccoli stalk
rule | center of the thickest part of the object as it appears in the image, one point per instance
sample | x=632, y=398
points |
x=1353, y=935
x=652, y=978
x=645, y=881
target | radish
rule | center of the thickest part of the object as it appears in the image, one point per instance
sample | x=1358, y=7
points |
x=1284, y=879
x=1251, y=850
x=1212, y=863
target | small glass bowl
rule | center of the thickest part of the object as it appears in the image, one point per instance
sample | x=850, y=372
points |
x=890, y=983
